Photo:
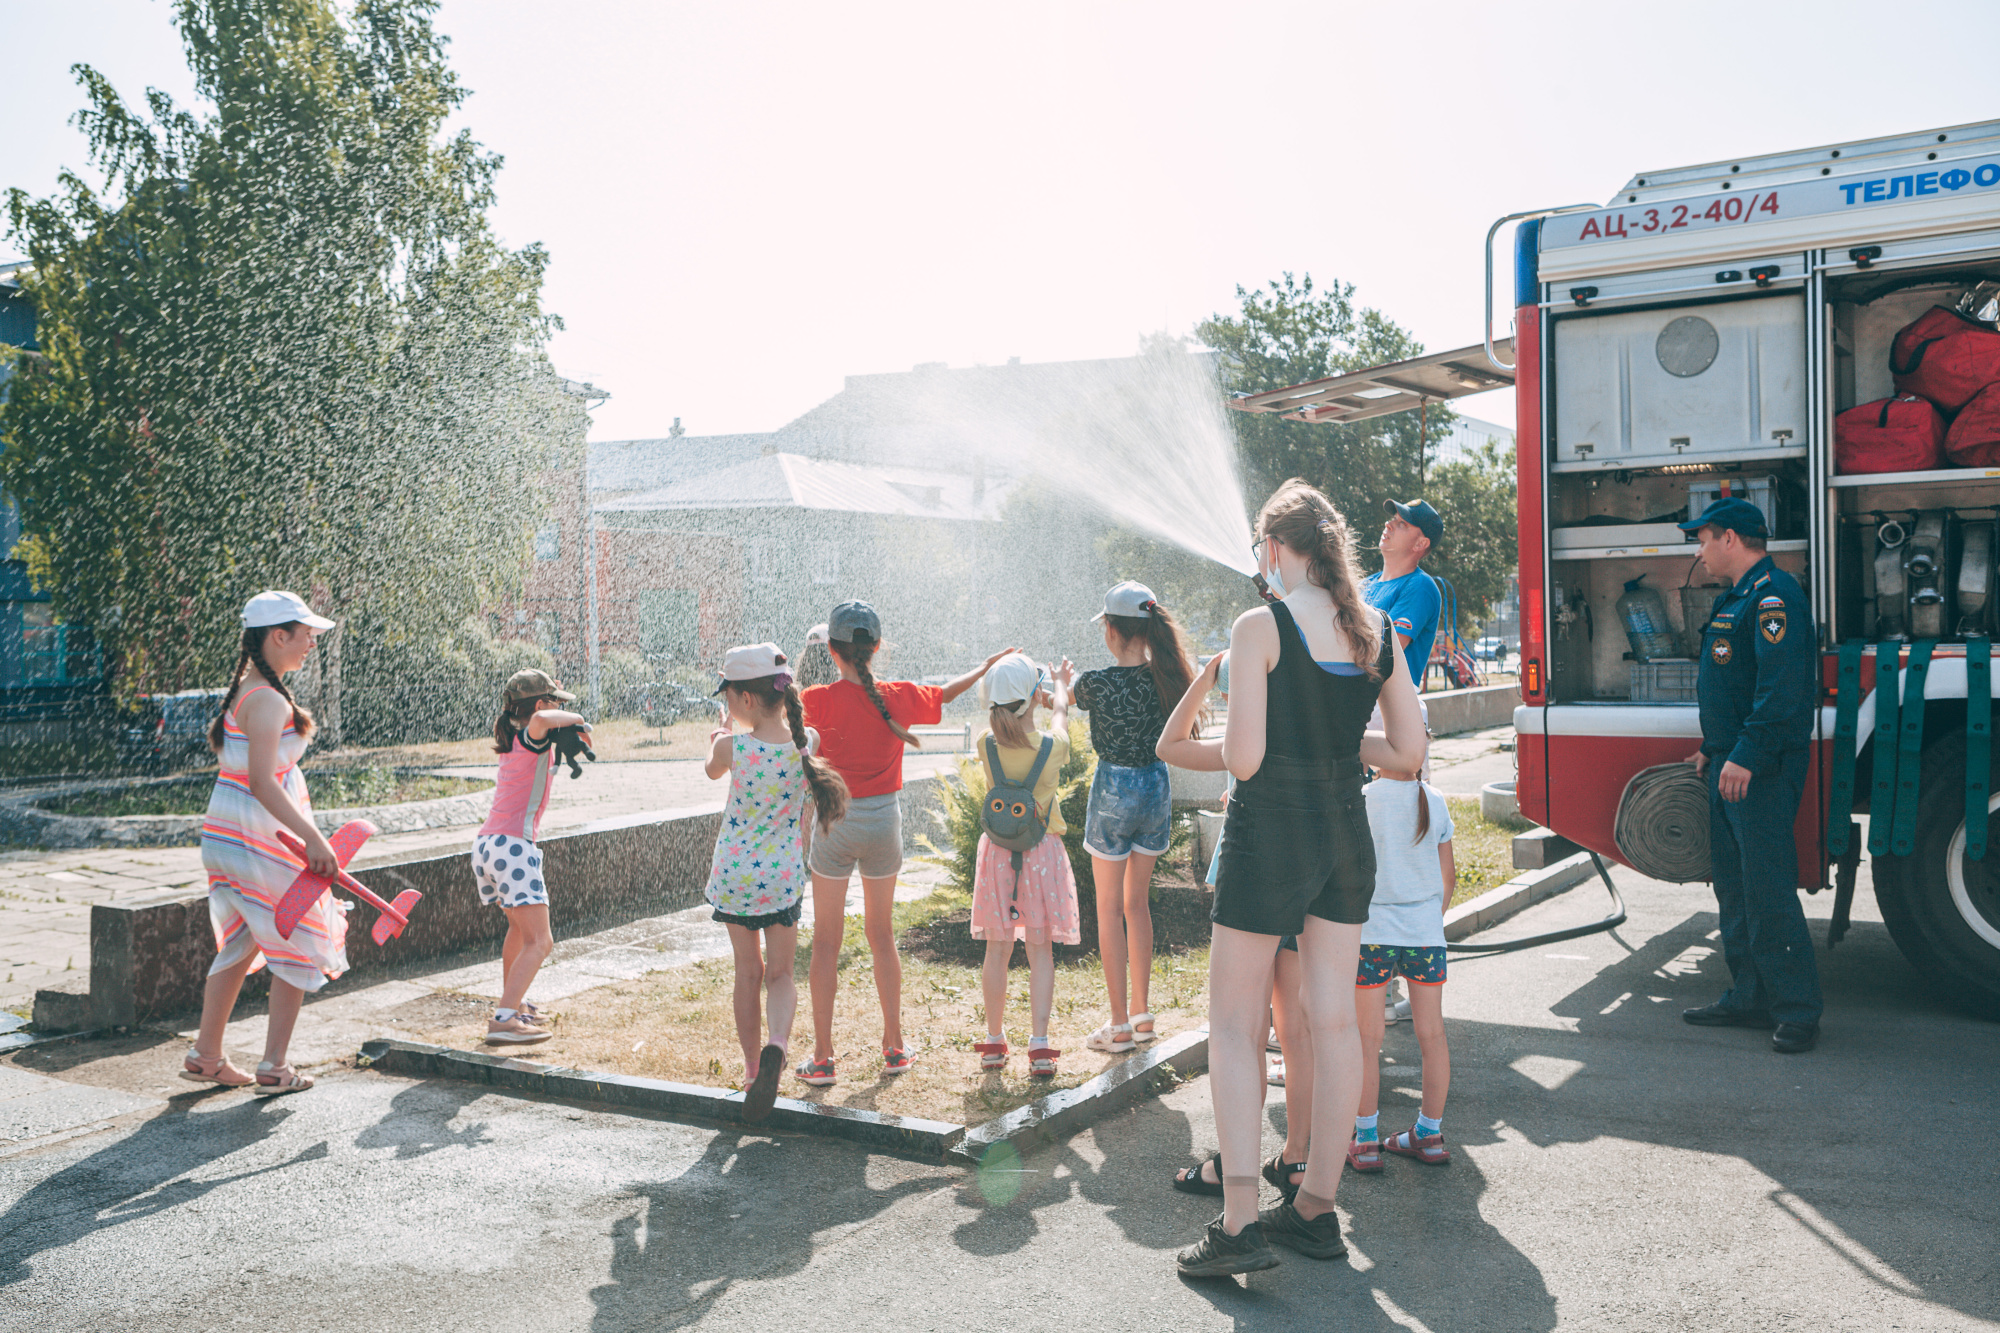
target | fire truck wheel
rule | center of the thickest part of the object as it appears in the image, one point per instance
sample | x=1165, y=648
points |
x=1943, y=910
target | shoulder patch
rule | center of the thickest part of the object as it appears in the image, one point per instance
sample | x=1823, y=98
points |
x=1770, y=602
x=1761, y=581
x=1772, y=622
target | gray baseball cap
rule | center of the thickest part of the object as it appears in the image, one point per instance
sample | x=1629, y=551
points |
x=851, y=617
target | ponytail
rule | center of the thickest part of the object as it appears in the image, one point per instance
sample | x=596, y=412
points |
x=252, y=654
x=508, y=724
x=856, y=654
x=1166, y=654
x=1303, y=519
x=1423, y=812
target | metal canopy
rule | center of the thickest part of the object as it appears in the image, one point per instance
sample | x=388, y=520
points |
x=1380, y=390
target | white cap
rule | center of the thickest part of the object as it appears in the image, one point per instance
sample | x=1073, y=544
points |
x=280, y=608
x=817, y=634
x=752, y=661
x=1014, y=679
x=1127, y=599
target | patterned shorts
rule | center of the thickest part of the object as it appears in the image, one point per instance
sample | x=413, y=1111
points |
x=1420, y=966
x=508, y=871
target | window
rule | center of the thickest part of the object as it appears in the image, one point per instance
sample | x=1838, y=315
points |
x=760, y=559
x=35, y=651
x=826, y=565
x=548, y=631
x=548, y=542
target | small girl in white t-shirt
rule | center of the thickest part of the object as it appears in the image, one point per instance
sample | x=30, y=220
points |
x=1415, y=877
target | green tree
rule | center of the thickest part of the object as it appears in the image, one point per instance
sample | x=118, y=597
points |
x=280, y=347
x=1291, y=331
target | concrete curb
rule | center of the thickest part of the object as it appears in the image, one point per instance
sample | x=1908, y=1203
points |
x=905, y=1136
x=1497, y=904
x=1065, y=1112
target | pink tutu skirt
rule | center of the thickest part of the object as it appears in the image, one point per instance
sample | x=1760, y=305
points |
x=1046, y=897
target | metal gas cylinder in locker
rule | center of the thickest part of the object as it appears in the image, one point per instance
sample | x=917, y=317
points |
x=1653, y=387
x=1926, y=566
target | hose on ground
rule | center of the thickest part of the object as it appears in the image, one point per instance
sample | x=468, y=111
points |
x=1612, y=922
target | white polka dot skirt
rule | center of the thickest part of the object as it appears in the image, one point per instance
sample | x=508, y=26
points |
x=508, y=871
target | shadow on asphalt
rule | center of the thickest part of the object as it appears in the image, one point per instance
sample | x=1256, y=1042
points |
x=735, y=1215
x=134, y=1178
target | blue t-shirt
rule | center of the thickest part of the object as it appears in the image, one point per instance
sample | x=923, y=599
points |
x=1413, y=604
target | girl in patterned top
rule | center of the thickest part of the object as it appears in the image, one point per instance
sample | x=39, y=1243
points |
x=1126, y=827
x=757, y=879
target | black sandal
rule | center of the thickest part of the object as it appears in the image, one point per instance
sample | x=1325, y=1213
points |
x=1279, y=1172
x=1188, y=1179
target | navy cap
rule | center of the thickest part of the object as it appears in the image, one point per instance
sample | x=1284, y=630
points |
x=1419, y=515
x=1731, y=514
x=850, y=618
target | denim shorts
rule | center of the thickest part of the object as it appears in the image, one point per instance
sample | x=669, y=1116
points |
x=1131, y=810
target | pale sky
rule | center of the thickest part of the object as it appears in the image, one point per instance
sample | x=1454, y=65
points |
x=745, y=203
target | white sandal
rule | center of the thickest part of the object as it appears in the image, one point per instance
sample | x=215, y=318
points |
x=1147, y=1034
x=1113, y=1037
x=293, y=1080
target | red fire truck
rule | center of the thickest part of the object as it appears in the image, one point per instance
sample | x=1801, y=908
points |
x=1698, y=336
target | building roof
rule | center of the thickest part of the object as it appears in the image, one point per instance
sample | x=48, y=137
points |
x=631, y=466
x=792, y=481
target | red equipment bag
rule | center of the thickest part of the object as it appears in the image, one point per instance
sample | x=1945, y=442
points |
x=1945, y=357
x=1890, y=435
x=1975, y=433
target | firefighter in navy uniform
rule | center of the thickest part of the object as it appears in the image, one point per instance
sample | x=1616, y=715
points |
x=1757, y=688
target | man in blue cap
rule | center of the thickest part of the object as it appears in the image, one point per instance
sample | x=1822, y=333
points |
x=1409, y=595
x=1756, y=688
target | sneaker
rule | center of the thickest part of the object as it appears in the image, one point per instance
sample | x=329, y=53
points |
x=1315, y=1239
x=1397, y=1012
x=1220, y=1254
x=516, y=1031
x=897, y=1060
x=819, y=1073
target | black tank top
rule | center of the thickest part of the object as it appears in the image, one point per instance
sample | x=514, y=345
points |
x=1314, y=717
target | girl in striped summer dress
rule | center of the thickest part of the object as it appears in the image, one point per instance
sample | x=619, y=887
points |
x=506, y=863
x=259, y=737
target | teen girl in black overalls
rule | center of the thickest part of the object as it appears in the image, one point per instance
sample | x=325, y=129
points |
x=1297, y=859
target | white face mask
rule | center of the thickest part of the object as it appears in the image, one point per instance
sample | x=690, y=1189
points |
x=1273, y=578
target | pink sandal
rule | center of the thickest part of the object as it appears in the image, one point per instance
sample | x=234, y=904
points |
x=199, y=1068
x=1042, y=1061
x=1429, y=1150
x=1365, y=1156
x=992, y=1056
x=279, y=1080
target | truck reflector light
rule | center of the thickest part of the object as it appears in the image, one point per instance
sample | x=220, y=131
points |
x=1531, y=617
x=1531, y=677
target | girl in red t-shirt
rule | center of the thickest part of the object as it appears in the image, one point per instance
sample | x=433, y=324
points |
x=863, y=725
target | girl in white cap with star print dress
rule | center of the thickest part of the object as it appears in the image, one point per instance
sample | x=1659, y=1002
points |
x=778, y=788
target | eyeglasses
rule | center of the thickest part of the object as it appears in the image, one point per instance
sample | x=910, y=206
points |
x=1257, y=547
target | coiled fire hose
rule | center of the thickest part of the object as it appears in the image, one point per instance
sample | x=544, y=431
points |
x=1662, y=825
x=1661, y=830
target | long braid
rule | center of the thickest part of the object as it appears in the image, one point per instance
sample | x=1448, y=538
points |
x=829, y=790
x=302, y=720
x=857, y=654
x=216, y=730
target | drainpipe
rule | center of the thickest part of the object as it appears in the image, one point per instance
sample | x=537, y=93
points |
x=596, y=672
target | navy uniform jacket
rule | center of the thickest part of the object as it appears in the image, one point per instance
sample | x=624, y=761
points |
x=1759, y=664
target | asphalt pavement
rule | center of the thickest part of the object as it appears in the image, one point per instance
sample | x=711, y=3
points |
x=1614, y=1169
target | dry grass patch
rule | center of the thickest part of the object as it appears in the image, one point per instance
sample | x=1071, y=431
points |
x=1484, y=850
x=678, y=1025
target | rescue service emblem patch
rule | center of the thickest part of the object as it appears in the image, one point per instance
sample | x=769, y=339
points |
x=1772, y=622
x=1720, y=651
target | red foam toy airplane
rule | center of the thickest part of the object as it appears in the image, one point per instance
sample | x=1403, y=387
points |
x=307, y=888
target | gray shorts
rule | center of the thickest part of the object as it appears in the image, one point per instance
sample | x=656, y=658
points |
x=869, y=835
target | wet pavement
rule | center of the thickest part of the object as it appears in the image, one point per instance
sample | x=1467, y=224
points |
x=1614, y=1169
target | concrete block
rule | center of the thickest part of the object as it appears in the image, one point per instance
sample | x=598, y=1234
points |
x=1208, y=832
x=1055, y=1117
x=64, y=1007
x=1191, y=788
x=1541, y=848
